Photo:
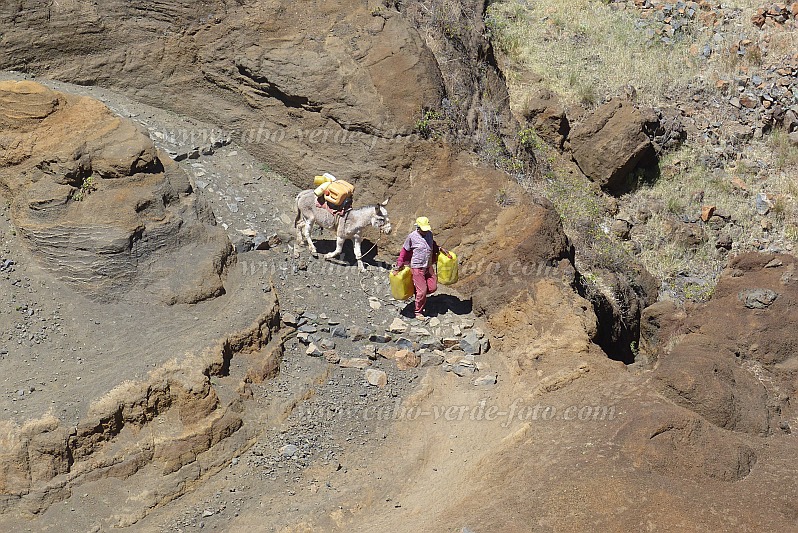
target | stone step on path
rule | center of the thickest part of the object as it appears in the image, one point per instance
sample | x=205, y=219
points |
x=453, y=344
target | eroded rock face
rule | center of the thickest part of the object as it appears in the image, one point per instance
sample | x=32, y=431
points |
x=308, y=87
x=612, y=142
x=42, y=461
x=99, y=207
x=733, y=363
x=672, y=441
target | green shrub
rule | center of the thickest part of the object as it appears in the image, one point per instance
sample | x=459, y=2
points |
x=425, y=125
x=530, y=139
x=87, y=187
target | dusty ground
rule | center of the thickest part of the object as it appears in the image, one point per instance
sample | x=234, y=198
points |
x=67, y=339
x=565, y=440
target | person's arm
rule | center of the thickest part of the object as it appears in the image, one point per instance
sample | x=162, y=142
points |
x=436, y=249
x=404, y=258
x=404, y=255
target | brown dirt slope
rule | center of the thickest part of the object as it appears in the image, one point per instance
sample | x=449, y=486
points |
x=576, y=441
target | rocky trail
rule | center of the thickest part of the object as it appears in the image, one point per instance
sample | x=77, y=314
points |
x=168, y=364
x=348, y=366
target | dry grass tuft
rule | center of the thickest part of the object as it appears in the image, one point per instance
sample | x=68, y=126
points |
x=583, y=49
x=588, y=49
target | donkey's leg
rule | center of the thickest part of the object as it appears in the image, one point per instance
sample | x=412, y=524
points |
x=299, y=236
x=339, y=246
x=306, y=231
x=356, y=240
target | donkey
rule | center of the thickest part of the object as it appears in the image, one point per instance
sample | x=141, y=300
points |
x=348, y=226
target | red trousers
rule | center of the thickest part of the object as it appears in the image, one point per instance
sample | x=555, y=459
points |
x=424, y=282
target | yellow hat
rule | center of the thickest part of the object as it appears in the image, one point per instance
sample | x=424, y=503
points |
x=423, y=224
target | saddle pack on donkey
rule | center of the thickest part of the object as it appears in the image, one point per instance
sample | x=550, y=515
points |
x=333, y=194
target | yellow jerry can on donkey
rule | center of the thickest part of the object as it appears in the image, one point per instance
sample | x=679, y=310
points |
x=338, y=191
x=447, y=268
x=401, y=284
x=324, y=178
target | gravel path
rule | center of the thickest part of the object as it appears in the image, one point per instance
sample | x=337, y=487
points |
x=320, y=412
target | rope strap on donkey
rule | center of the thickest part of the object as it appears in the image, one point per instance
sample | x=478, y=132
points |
x=337, y=218
x=370, y=249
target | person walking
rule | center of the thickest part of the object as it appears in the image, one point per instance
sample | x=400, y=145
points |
x=420, y=251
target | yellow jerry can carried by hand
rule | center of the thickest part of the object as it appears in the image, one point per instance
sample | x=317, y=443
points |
x=401, y=284
x=447, y=268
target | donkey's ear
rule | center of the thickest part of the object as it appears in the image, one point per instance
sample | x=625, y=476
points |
x=384, y=203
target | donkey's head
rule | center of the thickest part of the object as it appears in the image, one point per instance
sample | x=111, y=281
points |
x=380, y=218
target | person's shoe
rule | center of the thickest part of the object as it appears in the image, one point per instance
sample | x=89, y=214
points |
x=421, y=318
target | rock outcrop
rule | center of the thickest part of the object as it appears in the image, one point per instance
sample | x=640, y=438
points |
x=99, y=206
x=734, y=363
x=612, y=142
x=42, y=461
x=307, y=88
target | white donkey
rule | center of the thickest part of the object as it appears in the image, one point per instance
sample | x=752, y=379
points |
x=348, y=226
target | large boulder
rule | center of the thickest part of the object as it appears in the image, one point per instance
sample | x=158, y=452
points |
x=98, y=205
x=612, y=142
x=546, y=115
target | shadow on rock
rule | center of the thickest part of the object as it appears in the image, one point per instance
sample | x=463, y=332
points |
x=441, y=304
